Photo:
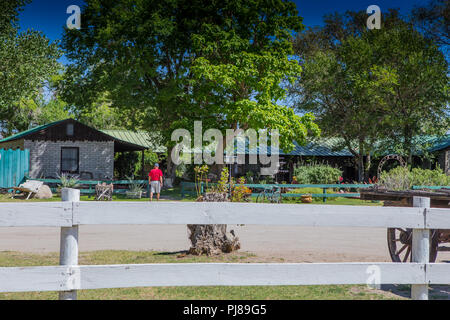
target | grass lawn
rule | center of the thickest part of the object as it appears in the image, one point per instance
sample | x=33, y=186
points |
x=166, y=194
x=173, y=194
x=332, y=292
x=348, y=292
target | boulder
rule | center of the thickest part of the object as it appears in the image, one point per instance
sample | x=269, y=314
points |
x=44, y=192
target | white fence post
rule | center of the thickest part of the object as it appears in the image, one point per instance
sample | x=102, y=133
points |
x=420, y=250
x=68, y=251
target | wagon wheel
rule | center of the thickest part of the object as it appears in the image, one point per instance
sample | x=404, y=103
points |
x=400, y=240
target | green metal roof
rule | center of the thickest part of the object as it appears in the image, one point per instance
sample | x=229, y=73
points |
x=318, y=147
x=323, y=147
x=440, y=143
x=140, y=138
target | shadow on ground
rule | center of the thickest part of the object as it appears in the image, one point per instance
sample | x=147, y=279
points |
x=436, y=292
x=174, y=253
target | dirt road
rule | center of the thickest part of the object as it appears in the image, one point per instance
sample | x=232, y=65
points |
x=289, y=244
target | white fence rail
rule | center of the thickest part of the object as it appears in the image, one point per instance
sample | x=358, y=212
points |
x=69, y=276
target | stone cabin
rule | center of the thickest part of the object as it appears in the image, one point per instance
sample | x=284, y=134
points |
x=441, y=148
x=69, y=146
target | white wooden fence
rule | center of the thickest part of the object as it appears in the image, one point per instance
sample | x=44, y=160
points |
x=69, y=276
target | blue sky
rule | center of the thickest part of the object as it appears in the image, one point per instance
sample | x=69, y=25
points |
x=49, y=16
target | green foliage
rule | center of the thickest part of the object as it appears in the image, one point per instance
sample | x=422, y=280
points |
x=101, y=114
x=433, y=20
x=201, y=173
x=402, y=178
x=135, y=186
x=68, y=181
x=125, y=164
x=249, y=176
x=222, y=184
x=240, y=192
x=396, y=179
x=27, y=60
x=317, y=173
x=221, y=62
x=368, y=86
x=310, y=191
x=150, y=158
x=51, y=111
x=238, y=74
x=426, y=177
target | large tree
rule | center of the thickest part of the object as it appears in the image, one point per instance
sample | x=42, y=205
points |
x=369, y=86
x=175, y=62
x=241, y=67
x=164, y=60
x=27, y=60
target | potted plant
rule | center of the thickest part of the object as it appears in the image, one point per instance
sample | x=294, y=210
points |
x=135, y=190
x=68, y=181
x=306, y=198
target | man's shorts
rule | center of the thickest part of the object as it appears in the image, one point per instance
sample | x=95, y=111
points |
x=155, y=186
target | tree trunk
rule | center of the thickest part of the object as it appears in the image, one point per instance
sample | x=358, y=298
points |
x=408, y=144
x=360, y=168
x=170, y=167
x=212, y=239
x=361, y=162
x=367, y=167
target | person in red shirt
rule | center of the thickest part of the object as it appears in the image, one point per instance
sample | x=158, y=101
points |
x=155, y=179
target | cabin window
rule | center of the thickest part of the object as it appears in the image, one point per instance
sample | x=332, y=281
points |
x=69, y=129
x=70, y=160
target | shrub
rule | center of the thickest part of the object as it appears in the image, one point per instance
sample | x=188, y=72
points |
x=249, y=176
x=426, y=177
x=396, y=179
x=240, y=192
x=316, y=173
x=401, y=178
x=222, y=184
x=134, y=186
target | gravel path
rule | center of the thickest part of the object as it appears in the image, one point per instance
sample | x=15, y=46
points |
x=290, y=244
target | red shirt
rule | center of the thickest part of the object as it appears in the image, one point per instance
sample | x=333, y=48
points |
x=155, y=174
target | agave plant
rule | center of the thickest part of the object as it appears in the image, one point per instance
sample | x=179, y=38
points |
x=135, y=186
x=68, y=181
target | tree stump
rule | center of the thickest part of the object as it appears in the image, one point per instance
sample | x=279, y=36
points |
x=212, y=239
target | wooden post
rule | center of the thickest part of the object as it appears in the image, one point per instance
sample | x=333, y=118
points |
x=324, y=192
x=68, y=252
x=142, y=164
x=420, y=250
